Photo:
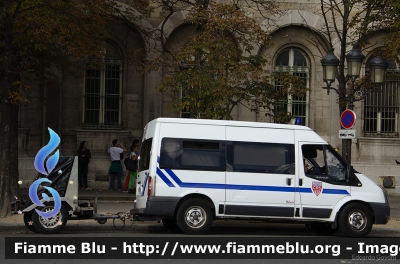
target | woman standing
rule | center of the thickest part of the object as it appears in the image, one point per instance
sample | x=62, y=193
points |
x=83, y=163
x=133, y=174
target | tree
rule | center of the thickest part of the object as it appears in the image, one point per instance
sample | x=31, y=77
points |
x=391, y=20
x=346, y=23
x=216, y=69
x=36, y=37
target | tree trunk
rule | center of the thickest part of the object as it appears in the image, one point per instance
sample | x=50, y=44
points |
x=8, y=146
x=8, y=113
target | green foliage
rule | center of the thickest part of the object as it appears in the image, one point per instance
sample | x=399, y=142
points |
x=214, y=70
x=39, y=34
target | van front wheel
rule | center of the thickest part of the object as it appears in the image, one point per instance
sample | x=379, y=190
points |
x=355, y=220
x=194, y=216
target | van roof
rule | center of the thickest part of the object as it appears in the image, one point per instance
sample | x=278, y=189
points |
x=229, y=123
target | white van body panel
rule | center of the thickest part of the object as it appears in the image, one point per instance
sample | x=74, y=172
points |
x=278, y=193
x=370, y=191
x=251, y=189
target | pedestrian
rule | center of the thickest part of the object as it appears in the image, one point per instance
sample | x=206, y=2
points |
x=135, y=142
x=133, y=174
x=116, y=167
x=84, y=156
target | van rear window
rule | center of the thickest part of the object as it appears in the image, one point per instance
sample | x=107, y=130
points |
x=192, y=154
x=145, y=150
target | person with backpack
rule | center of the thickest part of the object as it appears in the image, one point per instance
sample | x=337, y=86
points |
x=133, y=171
x=131, y=166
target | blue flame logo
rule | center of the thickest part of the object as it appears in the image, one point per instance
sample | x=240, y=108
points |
x=39, y=166
x=45, y=151
x=35, y=199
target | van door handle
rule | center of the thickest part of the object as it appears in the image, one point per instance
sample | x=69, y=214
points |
x=301, y=182
x=288, y=181
x=139, y=182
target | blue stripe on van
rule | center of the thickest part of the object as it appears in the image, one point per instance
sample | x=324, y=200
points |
x=164, y=178
x=325, y=191
x=335, y=191
x=145, y=183
x=175, y=178
x=260, y=188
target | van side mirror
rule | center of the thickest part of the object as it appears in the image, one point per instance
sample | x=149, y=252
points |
x=349, y=173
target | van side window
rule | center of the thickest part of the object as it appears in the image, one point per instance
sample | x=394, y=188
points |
x=259, y=157
x=192, y=154
x=314, y=161
x=145, y=149
x=323, y=163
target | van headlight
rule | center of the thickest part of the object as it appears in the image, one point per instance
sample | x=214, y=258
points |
x=384, y=193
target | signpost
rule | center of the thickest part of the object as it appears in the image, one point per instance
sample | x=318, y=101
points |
x=347, y=133
x=348, y=119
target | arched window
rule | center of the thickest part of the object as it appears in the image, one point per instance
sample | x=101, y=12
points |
x=102, y=99
x=381, y=109
x=294, y=62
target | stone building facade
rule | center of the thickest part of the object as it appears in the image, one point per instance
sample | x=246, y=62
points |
x=115, y=101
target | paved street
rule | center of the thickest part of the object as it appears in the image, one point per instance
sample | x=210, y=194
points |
x=121, y=202
x=15, y=224
x=112, y=202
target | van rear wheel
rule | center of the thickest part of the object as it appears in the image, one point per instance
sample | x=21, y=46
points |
x=355, y=220
x=194, y=216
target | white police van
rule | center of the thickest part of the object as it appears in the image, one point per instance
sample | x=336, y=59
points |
x=192, y=171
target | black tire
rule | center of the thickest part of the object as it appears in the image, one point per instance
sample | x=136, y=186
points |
x=355, y=220
x=51, y=225
x=323, y=229
x=29, y=223
x=171, y=224
x=194, y=216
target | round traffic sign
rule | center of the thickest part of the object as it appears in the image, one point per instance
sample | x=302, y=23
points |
x=348, y=119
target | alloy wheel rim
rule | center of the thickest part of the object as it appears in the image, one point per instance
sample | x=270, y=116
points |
x=195, y=217
x=357, y=220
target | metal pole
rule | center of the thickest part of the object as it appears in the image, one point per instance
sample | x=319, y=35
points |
x=350, y=107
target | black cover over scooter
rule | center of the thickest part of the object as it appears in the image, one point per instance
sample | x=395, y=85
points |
x=59, y=178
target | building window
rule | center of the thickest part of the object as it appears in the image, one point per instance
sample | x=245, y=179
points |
x=102, y=98
x=381, y=109
x=294, y=62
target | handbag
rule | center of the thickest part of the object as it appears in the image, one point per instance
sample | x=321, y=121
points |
x=130, y=165
x=121, y=156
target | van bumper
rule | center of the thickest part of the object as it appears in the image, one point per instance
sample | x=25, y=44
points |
x=382, y=212
x=158, y=206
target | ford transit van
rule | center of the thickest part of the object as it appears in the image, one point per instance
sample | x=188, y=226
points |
x=193, y=171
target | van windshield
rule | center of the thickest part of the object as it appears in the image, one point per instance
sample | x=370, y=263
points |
x=145, y=149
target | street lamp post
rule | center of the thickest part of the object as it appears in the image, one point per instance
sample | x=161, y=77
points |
x=354, y=60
